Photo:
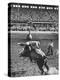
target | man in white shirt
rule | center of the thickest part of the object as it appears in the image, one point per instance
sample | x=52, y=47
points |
x=29, y=36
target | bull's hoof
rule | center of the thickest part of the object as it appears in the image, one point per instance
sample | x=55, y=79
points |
x=46, y=73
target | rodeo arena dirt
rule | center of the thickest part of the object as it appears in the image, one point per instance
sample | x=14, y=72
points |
x=32, y=40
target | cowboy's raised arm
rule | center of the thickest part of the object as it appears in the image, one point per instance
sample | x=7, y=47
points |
x=21, y=44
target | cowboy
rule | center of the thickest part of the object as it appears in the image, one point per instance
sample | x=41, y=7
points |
x=41, y=57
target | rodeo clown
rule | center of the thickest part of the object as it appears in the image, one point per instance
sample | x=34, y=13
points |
x=50, y=48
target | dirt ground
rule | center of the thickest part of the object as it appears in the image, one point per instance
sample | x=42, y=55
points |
x=21, y=66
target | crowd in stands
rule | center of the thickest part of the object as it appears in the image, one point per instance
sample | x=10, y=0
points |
x=34, y=15
x=26, y=28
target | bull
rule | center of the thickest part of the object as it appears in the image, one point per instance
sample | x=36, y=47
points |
x=35, y=53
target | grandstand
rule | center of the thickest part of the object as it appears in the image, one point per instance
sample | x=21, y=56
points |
x=38, y=17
